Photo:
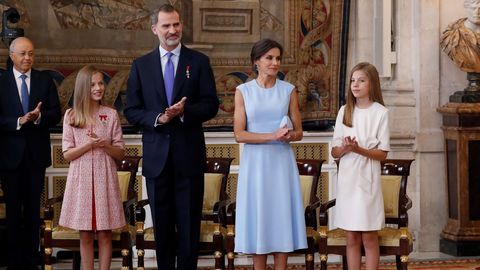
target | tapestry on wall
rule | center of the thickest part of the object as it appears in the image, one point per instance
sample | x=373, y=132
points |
x=313, y=33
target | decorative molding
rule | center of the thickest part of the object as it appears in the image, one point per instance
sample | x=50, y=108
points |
x=226, y=21
x=106, y=14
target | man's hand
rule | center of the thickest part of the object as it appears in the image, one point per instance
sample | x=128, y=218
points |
x=32, y=115
x=176, y=109
x=172, y=111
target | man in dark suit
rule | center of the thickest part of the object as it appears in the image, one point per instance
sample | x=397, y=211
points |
x=170, y=109
x=29, y=106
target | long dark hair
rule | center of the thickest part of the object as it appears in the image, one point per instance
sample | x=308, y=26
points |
x=261, y=47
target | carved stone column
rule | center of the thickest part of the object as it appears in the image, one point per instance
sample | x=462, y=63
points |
x=461, y=127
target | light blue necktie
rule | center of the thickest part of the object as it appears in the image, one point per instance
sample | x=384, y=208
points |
x=24, y=90
x=168, y=78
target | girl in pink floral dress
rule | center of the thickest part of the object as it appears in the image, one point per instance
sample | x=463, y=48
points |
x=92, y=139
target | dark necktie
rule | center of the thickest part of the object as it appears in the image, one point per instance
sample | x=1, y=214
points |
x=168, y=78
x=24, y=91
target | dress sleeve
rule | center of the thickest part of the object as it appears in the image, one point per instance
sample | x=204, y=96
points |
x=117, y=135
x=384, y=133
x=338, y=131
x=68, y=138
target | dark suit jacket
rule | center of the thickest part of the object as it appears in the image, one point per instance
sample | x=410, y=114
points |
x=146, y=99
x=30, y=137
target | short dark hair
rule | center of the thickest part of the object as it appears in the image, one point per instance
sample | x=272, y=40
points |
x=167, y=8
x=261, y=47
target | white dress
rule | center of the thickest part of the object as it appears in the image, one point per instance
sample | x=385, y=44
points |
x=359, y=205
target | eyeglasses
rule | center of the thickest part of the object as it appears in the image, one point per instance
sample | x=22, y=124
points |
x=23, y=54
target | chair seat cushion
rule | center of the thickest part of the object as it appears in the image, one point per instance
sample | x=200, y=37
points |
x=123, y=181
x=387, y=237
x=207, y=229
x=213, y=182
x=63, y=233
x=148, y=234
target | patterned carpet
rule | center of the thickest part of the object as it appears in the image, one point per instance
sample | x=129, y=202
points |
x=442, y=264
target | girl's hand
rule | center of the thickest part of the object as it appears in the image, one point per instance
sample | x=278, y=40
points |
x=95, y=141
x=349, y=144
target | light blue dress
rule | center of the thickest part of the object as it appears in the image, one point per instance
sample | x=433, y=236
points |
x=269, y=211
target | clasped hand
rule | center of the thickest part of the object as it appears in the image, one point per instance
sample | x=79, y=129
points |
x=173, y=111
x=95, y=141
x=283, y=134
x=32, y=115
x=350, y=144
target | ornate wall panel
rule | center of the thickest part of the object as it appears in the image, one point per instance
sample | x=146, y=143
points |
x=311, y=150
x=57, y=157
x=224, y=150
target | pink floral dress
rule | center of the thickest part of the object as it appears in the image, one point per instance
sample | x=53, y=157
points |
x=92, y=196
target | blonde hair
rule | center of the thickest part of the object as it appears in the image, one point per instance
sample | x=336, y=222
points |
x=82, y=101
x=374, y=93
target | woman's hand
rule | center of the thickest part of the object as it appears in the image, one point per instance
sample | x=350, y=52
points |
x=282, y=134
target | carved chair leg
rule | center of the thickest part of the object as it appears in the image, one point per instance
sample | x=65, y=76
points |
x=309, y=253
x=140, y=262
x=323, y=265
x=47, y=258
x=125, y=259
x=309, y=263
x=230, y=251
x=401, y=262
x=130, y=259
x=76, y=260
x=344, y=263
x=218, y=254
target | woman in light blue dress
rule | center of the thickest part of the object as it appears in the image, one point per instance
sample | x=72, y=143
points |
x=269, y=211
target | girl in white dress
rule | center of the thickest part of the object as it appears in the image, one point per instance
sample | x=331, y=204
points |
x=360, y=141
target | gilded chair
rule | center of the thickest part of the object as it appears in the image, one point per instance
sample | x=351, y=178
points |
x=213, y=225
x=56, y=236
x=395, y=238
x=309, y=170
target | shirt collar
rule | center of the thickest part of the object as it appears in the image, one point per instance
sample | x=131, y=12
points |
x=17, y=73
x=175, y=51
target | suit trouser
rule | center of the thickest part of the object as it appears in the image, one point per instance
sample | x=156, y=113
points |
x=176, y=206
x=22, y=190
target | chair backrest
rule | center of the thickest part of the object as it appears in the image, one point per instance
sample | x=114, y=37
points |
x=127, y=169
x=130, y=164
x=309, y=170
x=216, y=177
x=394, y=178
